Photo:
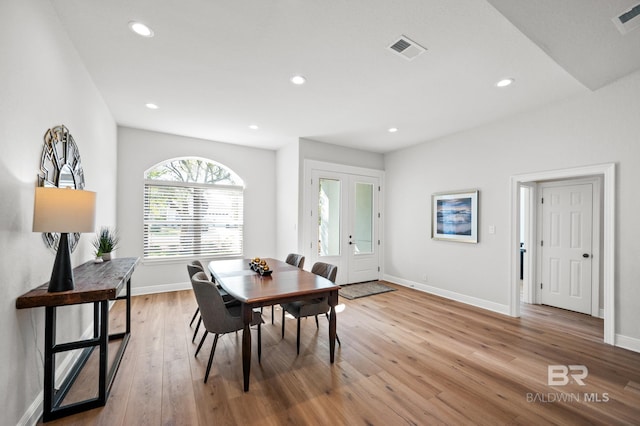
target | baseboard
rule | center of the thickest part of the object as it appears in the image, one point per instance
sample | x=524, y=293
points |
x=36, y=408
x=162, y=288
x=627, y=342
x=34, y=412
x=469, y=300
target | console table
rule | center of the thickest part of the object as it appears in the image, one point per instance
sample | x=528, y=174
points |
x=96, y=283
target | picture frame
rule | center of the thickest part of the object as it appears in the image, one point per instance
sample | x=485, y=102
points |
x=454, y=216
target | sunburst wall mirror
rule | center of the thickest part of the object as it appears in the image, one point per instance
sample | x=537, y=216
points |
x=60, y=167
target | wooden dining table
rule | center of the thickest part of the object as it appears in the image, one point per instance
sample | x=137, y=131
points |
x=286, y=283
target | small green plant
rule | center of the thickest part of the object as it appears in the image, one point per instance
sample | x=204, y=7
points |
x=106, y=241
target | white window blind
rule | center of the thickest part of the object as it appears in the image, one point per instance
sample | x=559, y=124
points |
x=191, y=219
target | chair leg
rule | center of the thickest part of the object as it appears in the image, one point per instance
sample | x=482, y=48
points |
x=317, y=326
x=195, y=314
x=259, y=344
x=213, y=350
x=298, y=338
x=283, y=323
x=197, y=328
x=337, y=338
x=204, y=336
x=272, y=309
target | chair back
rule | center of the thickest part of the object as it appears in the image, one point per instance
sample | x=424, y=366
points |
x=193, y=269
x=326, y=270
x=215, y=315
x=296, y=260
x=198, y=264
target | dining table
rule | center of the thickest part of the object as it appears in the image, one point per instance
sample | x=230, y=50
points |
x=285, y=283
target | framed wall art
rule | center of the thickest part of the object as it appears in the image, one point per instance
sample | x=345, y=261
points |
x=455, y=216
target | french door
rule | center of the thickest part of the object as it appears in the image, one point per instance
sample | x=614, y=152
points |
x=345, y=226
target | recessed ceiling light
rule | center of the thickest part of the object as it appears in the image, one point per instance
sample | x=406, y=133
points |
x=505, y=82
x=393, y=129
x=140, y=29
x=253, y=127
x=151, y=106
x=298, y=80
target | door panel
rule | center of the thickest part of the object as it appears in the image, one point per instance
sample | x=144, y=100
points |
x=363, y=258
x=567, y=214
x=363, y=218
x=327, y=224
x=329, y=229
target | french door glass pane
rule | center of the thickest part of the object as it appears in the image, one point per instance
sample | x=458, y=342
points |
x=363, y=230
x=329, y=217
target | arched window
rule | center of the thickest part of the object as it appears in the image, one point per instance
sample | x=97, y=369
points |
x=193, y=207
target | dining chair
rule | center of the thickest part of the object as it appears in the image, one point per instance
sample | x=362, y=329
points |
x=193, y=268
x=217, y=317
x=293, y=259
x=296, y=260
x=307, y=308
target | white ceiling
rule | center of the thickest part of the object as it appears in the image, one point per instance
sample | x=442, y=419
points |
x=214, y=67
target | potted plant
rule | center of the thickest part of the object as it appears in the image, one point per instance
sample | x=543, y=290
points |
x=105, y=242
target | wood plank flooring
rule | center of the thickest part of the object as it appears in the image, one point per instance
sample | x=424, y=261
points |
x=406, y=358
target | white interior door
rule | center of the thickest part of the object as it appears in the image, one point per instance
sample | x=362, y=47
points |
x=345, y=224
x=566, y=246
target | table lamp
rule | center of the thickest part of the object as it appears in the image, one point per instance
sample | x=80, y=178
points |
x=63, y=210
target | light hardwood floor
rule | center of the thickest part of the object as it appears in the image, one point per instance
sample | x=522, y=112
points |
x=406, y=358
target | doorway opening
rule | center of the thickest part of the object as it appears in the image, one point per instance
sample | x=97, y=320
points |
x=523, y=199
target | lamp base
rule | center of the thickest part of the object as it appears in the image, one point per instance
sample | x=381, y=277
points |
x=62, y=275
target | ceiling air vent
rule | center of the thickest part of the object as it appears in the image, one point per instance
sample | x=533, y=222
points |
x=628, y=20
x=406, y=48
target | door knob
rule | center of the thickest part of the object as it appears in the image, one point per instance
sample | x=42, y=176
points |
x=586, y=255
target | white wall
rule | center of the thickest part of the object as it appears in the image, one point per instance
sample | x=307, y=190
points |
x=320, y=151
x=600, y=127
x=43, y=84
x=138, y=150
x=287, y=200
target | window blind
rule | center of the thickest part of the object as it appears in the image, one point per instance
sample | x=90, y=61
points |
x=190, y=219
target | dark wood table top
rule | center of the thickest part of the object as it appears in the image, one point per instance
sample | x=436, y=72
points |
x=93, y=282
x=285, y=282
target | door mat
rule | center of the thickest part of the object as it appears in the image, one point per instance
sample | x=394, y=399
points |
x=355, y=291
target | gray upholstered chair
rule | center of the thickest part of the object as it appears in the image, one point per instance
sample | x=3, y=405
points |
x=296, y=260
x=293, y=259
x=193, y=268
x=217, y=317
x=315, y=307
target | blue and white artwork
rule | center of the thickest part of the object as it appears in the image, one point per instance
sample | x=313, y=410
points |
x=454, y=216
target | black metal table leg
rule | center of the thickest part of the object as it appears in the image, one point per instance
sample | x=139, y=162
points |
x=104, y=349
x=49, y=360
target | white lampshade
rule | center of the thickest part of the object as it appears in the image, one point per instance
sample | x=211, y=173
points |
x=64, y=210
